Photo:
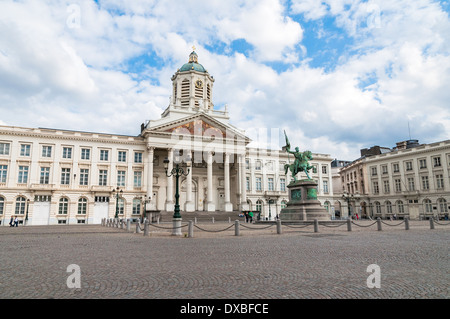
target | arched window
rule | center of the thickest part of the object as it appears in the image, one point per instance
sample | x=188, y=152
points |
x=400, y=207
x=442, y=205
x=388, y=207
x=377, y=208
x=136, y=206
x=82, y=206
x=259, y=205
x=20, y=205
x=428, y=208
x=2, y=205
x=63, y=206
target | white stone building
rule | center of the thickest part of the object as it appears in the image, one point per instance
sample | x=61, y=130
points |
x=52, y=176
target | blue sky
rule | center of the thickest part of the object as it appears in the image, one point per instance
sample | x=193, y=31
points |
x=337, y=75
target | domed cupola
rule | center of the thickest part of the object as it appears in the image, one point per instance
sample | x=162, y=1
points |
x=192, y=85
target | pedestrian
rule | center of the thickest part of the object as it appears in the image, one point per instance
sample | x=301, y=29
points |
x=16, y=222
x=357, y=217
x=246, y=217
x=11, y=221
x=250, y=214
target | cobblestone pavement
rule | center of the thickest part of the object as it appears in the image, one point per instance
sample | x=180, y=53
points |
x=260, y=263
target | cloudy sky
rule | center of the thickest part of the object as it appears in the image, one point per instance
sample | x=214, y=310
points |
x=337, y=75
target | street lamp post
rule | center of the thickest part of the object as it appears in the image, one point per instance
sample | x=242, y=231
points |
x=118, y=194
x=348, y=197
x=177, y=171
x=26, y=216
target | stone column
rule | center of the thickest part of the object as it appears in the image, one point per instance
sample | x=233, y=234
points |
x=189, y=206
x=210, y=206
x=149, y=200
x=242, y=175
x=169, y=193
x=228, y=205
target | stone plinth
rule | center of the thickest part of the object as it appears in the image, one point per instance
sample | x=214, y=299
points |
x=303, y=203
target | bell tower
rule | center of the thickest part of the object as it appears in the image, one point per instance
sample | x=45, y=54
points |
x=192, y=86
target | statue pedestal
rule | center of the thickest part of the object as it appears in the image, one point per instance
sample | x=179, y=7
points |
x=303, y=203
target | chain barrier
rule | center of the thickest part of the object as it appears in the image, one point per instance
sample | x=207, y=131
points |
x=214, y=231
x=253, y=228
x=331, y=226
x=365, y=225
x=290, y=226
x=391, y=224
x=442, y=223
x=168, y=227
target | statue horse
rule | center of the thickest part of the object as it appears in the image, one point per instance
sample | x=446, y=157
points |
x=300, y=164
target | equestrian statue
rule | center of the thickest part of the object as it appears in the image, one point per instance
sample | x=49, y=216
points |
x=300, y=164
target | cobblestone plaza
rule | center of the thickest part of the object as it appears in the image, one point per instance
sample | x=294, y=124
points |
x=296, y=264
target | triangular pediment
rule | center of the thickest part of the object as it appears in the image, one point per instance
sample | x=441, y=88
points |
x=199, y=125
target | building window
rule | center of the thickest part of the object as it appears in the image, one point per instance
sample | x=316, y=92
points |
x=377, y=208
x=439, y=181
x=104, y=155
x=259, y=205
x=85, y=154
x=437, y=161
x=2, y=205
x=122, y=156
x=44, y=178
x=4, y=148
x=258, y=184
x=374, y=171
x=137, y=179
x=25, y=149
x=325, y=186
x=411, y=186
x=103, y=177
x=120, y=178
x=63, y=206
x=20, y=205
x=396, y=167
x=376, y=190
x=324, y=170
x=136, y=206
x=409, y=166
x=425, y=183
x=388, y=207
x=384, y=169
x=247, y=183
x=84, y=176
x=121, y=206
x=138, y=157
x=3, y=173
x=46, y=151
x=400, y=207
x=258, y=165
x=23, y=175
x=247, y=163
x=67, y=152
x=282, y=184
x=386, y=186
x=398, y=185
x=65, y=176
x=82, y=206
x=428, y=208
x=314, y=169
x=422, y=163
x=442, y=205
x=270, y=183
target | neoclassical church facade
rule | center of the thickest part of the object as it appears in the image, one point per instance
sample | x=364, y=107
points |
x=54, y=176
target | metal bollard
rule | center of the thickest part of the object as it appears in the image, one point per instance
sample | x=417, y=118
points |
x=128, y=224
x=213, y=220
x=195, y=220
x=229, y=220
x=279, y=226
x=379, y=223
x=431, y=223
x=191, y=229
x=349, y=224
x=117, y=222
x=316, y=225
x=146, y=228
x=406, y=223
x=121, y=224
x=236, y=228
x=138, y=228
